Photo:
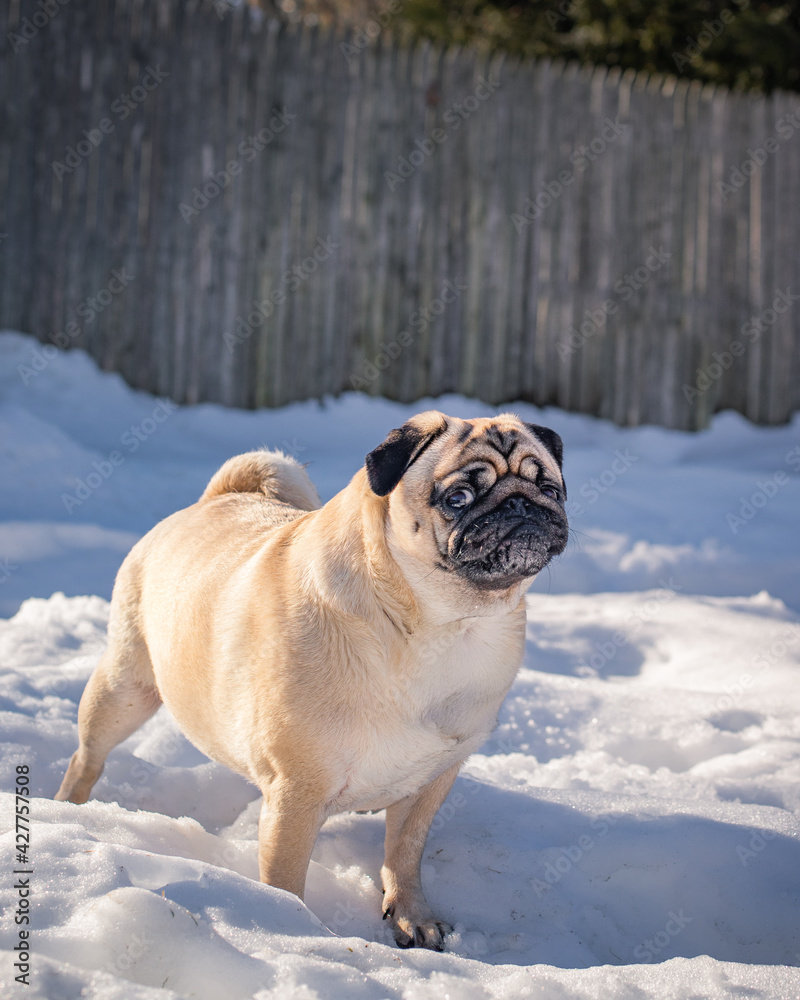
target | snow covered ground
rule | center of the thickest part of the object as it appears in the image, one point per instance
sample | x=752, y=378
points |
x=630, y=830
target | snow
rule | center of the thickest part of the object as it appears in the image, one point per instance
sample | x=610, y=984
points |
x=629, y=831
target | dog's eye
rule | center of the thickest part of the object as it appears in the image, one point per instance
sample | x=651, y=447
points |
x=550, y=491
x=460, y=498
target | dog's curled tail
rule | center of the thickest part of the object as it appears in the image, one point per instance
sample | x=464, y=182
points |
x=272, y=473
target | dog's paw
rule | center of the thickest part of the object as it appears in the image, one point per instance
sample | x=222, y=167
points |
x=424, y=932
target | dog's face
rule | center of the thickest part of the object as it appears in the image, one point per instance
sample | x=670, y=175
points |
x=482, y=499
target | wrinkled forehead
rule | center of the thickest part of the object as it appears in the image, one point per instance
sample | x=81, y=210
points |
x=494, y=447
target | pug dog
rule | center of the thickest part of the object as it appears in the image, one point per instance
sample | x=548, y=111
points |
x=342, y=657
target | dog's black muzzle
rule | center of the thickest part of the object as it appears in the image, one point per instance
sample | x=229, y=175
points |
x=512, y=541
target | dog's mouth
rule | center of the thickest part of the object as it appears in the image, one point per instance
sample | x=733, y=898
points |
x=504, y=547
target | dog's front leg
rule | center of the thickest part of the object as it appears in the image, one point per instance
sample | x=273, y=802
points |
x=404, y=904
x=290, y=820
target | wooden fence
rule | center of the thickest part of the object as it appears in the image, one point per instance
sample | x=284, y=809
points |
x=223, y=209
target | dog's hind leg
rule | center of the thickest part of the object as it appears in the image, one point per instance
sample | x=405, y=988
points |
x=120, y=696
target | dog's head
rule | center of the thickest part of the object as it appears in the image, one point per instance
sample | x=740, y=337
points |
x=482, y=499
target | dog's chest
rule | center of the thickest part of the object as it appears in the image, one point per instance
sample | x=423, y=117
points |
x=439, y=708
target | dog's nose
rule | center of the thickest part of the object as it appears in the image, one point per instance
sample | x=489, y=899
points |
x=518, y=505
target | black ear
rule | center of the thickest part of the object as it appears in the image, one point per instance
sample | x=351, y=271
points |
x=387, y=463
x=550, y=440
